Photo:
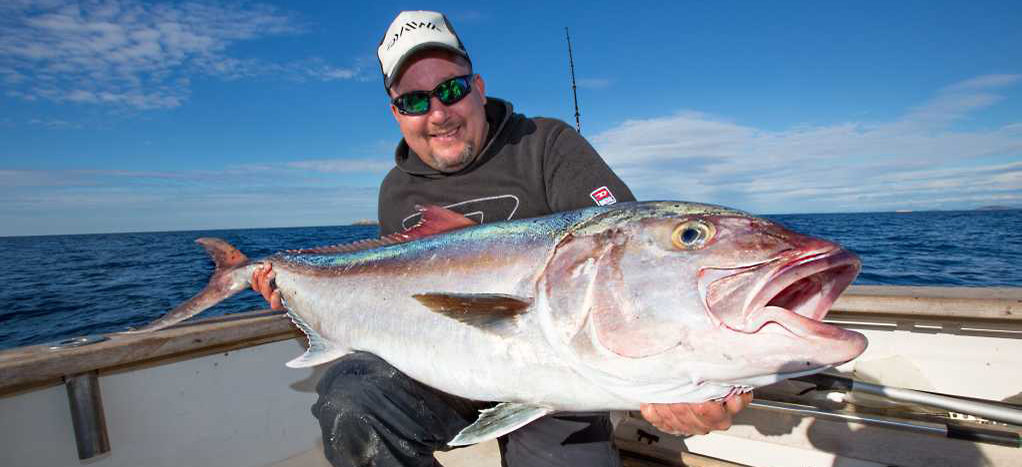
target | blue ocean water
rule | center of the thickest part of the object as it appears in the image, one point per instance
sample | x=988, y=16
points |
x=55, y=287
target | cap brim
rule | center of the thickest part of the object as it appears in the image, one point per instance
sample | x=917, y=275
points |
x=388, y=80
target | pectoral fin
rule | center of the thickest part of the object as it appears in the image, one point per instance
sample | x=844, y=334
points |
x=489, y=312
x=499, y=421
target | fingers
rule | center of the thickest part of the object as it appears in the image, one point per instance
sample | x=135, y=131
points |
x=650, y=414
x=658, y=416
x=712, y=415
x=262, y=282
x=694, y=419
x=693, y=422
x=686, y=419
x=736, y=403
x=275, y=303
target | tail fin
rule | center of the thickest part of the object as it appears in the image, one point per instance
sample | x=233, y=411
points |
x=229, y=278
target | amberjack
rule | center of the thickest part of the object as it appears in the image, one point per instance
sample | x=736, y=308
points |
x=603, y=308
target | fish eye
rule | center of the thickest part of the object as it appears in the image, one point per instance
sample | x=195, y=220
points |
x=691, y=235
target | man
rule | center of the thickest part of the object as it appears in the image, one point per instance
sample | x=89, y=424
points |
x=471, y=154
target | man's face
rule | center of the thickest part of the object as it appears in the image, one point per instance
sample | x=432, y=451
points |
x=446, y=138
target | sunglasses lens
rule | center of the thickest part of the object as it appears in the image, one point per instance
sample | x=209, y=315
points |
x=414, y=103
x=452, y=91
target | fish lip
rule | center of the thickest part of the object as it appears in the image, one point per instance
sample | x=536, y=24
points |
x=821, y=274
x=825, y=273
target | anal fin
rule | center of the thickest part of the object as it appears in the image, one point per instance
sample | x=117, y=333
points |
x=498, y=421
x=320, y=350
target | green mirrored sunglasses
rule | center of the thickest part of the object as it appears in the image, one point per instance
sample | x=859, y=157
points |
x=448, y=92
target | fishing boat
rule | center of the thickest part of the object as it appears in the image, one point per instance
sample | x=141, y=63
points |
x=215, y=392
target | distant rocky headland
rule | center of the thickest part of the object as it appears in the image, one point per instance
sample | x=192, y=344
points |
x=998, y=208
x=365, y=222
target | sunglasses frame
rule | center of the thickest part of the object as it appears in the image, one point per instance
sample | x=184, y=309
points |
x=430, y=94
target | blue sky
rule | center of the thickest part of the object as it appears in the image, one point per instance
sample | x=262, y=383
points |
x=135, y=116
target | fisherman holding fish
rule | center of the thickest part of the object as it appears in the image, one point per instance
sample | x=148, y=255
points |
x=472, y=154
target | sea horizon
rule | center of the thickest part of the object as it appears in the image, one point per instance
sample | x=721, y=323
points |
x=361, y=222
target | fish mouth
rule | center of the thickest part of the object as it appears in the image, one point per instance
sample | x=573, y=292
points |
x=792, y=294
x=796, y=294
x=800, y=293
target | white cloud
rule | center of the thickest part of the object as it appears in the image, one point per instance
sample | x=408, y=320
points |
x=366, y=165
x=985, y=81
x=956, y=101
x=137, y=54
x=53, y=123
x=917, y=161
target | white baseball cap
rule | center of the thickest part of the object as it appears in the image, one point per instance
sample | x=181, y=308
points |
x=411, y=32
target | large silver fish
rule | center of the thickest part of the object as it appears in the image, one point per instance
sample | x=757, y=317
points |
x=597, y=309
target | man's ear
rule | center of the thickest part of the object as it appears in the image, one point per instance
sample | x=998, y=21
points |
x=393, y=108
x=481, y=86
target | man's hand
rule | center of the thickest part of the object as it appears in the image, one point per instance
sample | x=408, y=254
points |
x=695, y=419
x=262, y=282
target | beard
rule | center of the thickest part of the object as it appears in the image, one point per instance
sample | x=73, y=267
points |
x=450, y=165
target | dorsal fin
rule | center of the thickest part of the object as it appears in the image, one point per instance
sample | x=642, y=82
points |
x=433, y=220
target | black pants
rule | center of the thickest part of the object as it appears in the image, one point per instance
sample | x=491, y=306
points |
x=373, y=415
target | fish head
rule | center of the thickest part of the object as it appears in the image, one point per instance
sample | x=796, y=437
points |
x=698, y=294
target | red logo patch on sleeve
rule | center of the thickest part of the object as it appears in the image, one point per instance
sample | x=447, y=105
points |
x=603, y=196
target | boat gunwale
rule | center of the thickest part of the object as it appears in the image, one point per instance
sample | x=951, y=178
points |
x=28, y=368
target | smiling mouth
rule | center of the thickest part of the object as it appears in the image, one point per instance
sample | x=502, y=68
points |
x=445, y=134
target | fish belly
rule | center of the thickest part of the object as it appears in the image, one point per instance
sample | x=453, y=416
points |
x=379, y=315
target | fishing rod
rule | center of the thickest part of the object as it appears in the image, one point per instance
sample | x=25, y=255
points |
x=571, y=65
x=945, y=430
x=990, y=410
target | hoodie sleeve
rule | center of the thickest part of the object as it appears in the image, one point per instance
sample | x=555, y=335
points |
x=576, y=176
